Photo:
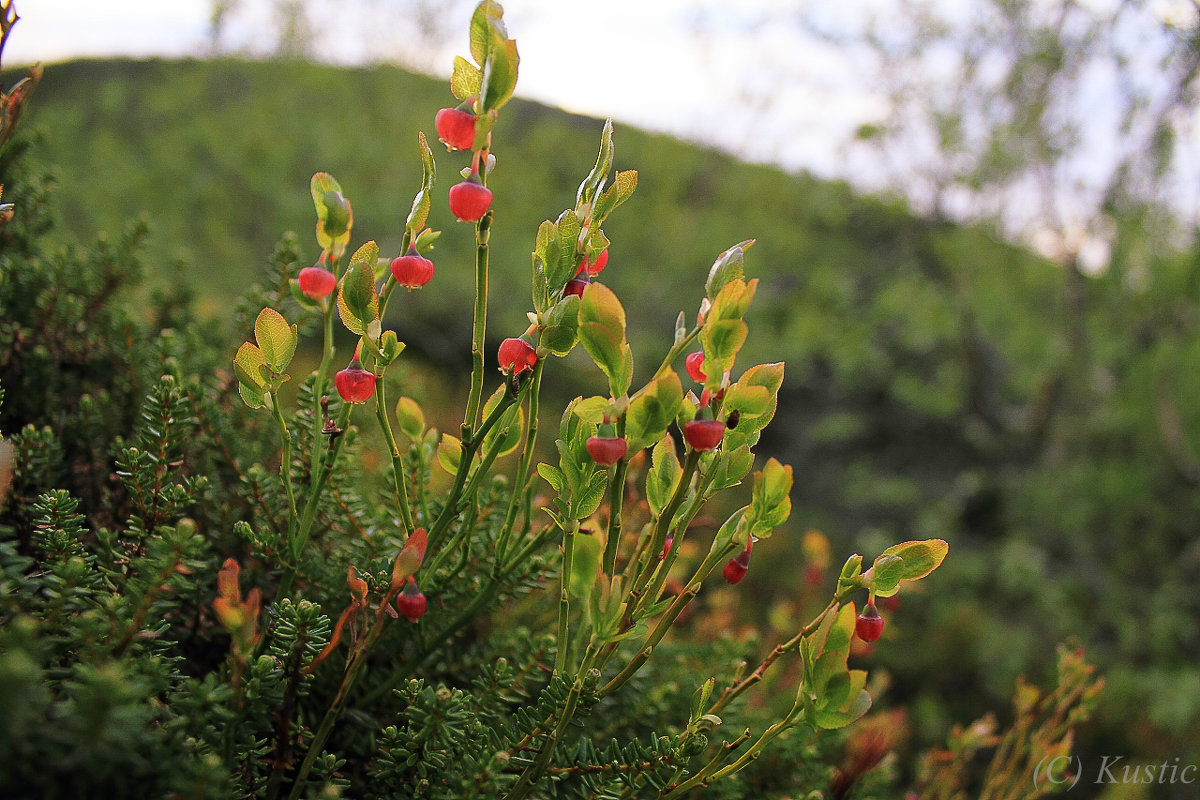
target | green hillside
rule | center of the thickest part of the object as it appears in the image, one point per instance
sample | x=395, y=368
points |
x=932, y=387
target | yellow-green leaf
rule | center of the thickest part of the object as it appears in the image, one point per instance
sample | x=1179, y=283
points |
x=466, y=79
x=585, y=562
x=248, y=364
x=449, y=453
x=920, y=557
x=506, y=434
x=652, y=409
x=410, y=417
x=275, y=338
x=357, y=302
x=664, y=472
x=729, y=266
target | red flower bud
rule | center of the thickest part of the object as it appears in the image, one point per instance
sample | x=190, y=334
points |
x=592, y=269
x=470, y=200
x=736, y=567
x=869, y=624
x=317, y=282
x=606, y=451
x=412, y=270
x=734, y=572
x=411, y=603
x=693, y=363
x=455, y=127
x=354, y=384
x=704, y=434
x=575, y=286
x=516, y=356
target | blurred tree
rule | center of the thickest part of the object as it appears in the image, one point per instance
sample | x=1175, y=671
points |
x=218, y=19
x=407, y=32
x=1049, y=117
x=1063, y=124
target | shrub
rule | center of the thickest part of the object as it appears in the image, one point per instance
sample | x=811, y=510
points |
x=210, y=587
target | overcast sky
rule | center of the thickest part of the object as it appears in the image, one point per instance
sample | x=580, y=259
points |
x=743, y=76
x=678, y=66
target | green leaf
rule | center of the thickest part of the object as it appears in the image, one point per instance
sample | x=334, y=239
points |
x=700, y=700
x=466, y=80
x=275, y=338
x=506, y=434
x=920, y=557
x=621, y=190
x=744, y=397
x=449, y=453
x=728, y=267
x=496, y=55
x=652, y=409
x=595, y=179
x=749, y=401
x=592, y=495
x=883, y=578
x=553, y=476
x=854, y=708
x=480, y=32
x=419, y=214
x=602, y=331
x=357, y=302
x=851, y=574
x=585, y=563
x=733, y=301
x=592, y=411
x=770, y=503
x=390, y=348
x=839, y=632
x=410, y=418
x=831, y=680
x=664, y=473
x=560, y=331
x=500, y=74
x=567, y=230
x=731, y=466
x=731, y=535
x=251, y=396
x=721, y=340
x=545, y=261
x=335, y=216
x=248, y=364
x=321, y=184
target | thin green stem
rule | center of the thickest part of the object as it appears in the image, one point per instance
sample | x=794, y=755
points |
x=679, y=526
x=538, y=768
x=702, y=777
x=616, y=500
x=486, y=594
x=355, y=662
x=523, y=467
x=285, y=466
x=659, y=536
x=667, y=619
x=731, y=692
x=320, y=386
x=401, y=490
x=479, y=329
x=564, y=598
x=310, y=506
x=676, y=350
x=468, y=447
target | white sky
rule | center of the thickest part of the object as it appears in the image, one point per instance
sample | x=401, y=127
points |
x=735, y=74
x=697, y=83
